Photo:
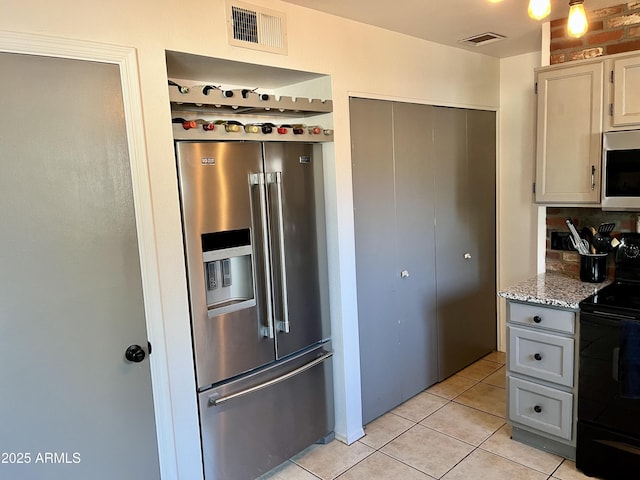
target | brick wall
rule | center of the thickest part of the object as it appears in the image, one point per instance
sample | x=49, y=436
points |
x=611, y=30
x=568, y=262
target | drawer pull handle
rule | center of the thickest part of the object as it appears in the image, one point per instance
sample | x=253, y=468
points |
x=537, y=409
x=537, y=319
x=537, y=356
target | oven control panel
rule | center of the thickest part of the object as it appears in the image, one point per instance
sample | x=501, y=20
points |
x=629, y=248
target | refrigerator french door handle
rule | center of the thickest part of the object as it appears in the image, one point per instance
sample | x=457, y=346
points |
x=258, y=179
x=213, y=402
x=283, y=324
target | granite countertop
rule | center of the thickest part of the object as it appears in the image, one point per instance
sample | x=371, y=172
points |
x=553, y=289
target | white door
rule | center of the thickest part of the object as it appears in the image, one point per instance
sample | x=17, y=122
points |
x=71, y=405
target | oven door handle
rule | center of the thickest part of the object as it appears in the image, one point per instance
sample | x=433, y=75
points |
x=615, y=315
x=615, y=364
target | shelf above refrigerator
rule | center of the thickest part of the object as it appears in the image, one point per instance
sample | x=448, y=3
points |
x=220, y=133
x=241, y=101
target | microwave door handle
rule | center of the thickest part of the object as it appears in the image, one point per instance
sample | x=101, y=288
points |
x=258, y=179
x=593, y=177
x=283, y=325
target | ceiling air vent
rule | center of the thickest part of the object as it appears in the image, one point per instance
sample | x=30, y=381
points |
x=257, y=28
x=483, y=39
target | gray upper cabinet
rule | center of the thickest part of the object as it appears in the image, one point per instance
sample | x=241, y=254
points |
x=569, y=131
x=424, y=201
x=622, y=92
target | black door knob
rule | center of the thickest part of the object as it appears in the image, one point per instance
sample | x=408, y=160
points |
x=134, y=353
x=537, y=409
x=537, y=319
x=537, y=356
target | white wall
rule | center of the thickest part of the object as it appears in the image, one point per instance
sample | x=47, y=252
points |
x=517, y=215
x=361, y=60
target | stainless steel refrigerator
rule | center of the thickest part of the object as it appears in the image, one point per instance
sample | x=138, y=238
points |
x=254, y=236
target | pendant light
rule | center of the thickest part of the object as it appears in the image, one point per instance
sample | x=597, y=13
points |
x=539, y=9
x=577, y=24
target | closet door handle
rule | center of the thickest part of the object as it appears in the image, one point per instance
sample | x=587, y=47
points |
x=404, y=274
x=467, y=256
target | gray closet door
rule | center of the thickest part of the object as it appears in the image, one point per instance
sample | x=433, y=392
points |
x=376, y=268
x=415, y=247
x=465, y=236
x=481, y=135
x=393, y=196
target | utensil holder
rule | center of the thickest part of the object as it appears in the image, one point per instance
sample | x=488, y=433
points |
x=593, y=267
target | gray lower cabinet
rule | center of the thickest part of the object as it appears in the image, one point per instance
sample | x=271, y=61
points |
x=542, y=376
x=424, y=213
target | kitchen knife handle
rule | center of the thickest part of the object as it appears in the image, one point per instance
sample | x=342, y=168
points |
x=283, y=325
x=257, y=179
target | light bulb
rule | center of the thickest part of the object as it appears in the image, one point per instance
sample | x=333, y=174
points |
x=538, y=9
x=577, y=24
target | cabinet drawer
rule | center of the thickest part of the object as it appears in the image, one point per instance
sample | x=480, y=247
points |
x=543, y=408
x=541, y=355
x=542, y=317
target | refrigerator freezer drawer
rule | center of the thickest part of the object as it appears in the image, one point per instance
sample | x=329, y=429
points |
x=251, y=425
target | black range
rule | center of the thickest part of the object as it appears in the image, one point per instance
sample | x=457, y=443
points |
x=608, y=432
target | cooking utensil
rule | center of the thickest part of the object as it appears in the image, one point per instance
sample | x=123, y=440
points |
x=606, y=228
x=602, y=243
x=587, y=233
x=580, y=244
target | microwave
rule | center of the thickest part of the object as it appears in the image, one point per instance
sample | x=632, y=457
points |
x=621, y=170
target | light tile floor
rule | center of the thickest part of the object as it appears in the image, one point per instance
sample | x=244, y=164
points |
x=455, y=430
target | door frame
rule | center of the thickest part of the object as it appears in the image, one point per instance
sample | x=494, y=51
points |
x=126, y=59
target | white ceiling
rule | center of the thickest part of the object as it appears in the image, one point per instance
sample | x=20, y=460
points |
x=449, y=21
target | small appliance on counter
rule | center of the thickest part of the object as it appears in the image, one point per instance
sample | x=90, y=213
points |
x=608, y=431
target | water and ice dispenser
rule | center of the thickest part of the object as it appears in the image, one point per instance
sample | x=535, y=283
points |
x=228, y=271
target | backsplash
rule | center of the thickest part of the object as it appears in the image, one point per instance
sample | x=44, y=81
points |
x=568, y=262
x=614, y=29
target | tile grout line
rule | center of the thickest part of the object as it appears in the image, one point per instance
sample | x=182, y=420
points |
x=414, y=423
x=452, y=400
x=474, y=447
